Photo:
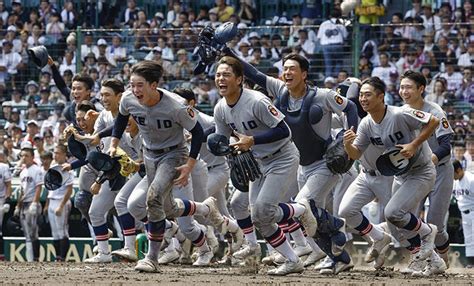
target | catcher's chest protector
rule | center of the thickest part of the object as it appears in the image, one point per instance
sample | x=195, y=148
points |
x=310, y=145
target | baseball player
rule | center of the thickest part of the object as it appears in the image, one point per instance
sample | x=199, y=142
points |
x=440, y=144
x=161, y=118
x=463, y=191
x=59, y=206
x=28, y=206
x=308, y=111
x=259, y=125
x=5, y=189
x=407, y=129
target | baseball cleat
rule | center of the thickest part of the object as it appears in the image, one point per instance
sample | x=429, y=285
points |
x=314, y=257
x=212, y=240
x=287, y=268
x=125, y=253
x=378, y=248
x=215, y=216
x=337, y=268
x=100, y=258
x=248, y=251
x=237, y=240
x=302, y=250
x=307, y=219
x=204, y=258
x=435, y=266
x=270, y=258
x=169, y=256
x=326, y=263
x=415, y=265
x=427, y=243
x=171, y=231
x=147, y=265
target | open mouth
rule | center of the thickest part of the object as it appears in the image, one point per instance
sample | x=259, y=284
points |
x=222, y=88
x=288, y=80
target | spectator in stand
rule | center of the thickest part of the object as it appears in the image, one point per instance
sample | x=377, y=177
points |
x=15, y=120
x=222, y=10
x=213, y=20
x=330, y=83
x=244, y=50
x=203, y=16
x=55, y=27
x=266, y=46
x=11, y=37
x=183, y=68
x=49, y=143
x=32, y=128
x=453, y=78
x=68, y=15
x=467, y=10
x=257, y=59
x=384, y=69
x=173, y=12
x=307, y=46
x=296, y=26
x=124, y=75
x=44, y=95
x=18, y=9
x=167, y=52
x=68, y=62
x=342, y=76
x=141, y=18
x=10, y=63
x=398, y=25
x=415, y=10
x=247, y=12
x=143, y=37
x=158, y=21
x=410, y=61
x=33, y=19
x=439, y=92
x=45, y=11
x=276, y=47
x=445, y=10
x=206, y=92
x=3, y=12
x=12, y=154
x=36, y=38
x=447, y=30
x=88, y=46
x=442, y=52
x=331, y=35
x=130, y=14
x=467, y=59
x=389, y=40
x=466, y=92
x=431, y=21
x=116, y=53
x=187, y=38
x=32, y=90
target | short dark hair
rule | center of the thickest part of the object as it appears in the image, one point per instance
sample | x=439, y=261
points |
x=234, y=63
x=46, y=155
x=457, y=165
x=84, y=78
x=85, y=106
x=151, y=71
x=302, y=61
x=116, y=85
x=417, y=77
x=376, y=82
x=185, y=93
x=29, y=150
x=62, y=148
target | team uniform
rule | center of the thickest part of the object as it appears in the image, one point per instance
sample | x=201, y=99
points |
x=5, y=177
x=463, y=191
x=59, y=224
x=31, y=178
x=401, y=126
x=254, y=114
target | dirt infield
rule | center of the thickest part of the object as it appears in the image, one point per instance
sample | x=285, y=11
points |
x=16, y=273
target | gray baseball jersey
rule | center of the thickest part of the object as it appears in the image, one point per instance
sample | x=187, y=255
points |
x=161, y=125
x=400, y=125
x=135, y=144
x=5, y=176
x=207, y=122
x=329, y=100
x=68, y=181
x=443, y=129
x=31, y=178
x=253, y=114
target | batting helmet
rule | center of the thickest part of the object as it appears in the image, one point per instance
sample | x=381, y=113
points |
x=218, y=145
x=100, y=161
x=76, y=148
x=393, y=163
x=237, y=183
x=39, y=55
x=53, y=179
x=225, y=32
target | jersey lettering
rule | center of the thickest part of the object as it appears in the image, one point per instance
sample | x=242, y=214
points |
x=376, y=141
x=164, y=123
x=27, y=180
x=139, y=120
x=397, y=136
x=461, y=192
x=251, y=125
x=232, y=126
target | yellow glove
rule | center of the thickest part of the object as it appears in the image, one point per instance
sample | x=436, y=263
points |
x=127, y=165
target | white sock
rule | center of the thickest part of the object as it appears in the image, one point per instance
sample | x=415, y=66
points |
x=313, y=244
x=103, y=246
x=288, y=237
x=299, y=237
x=168, y=224
x=29, y=251
x=130, y=242
x=175, y=243
x=298, y=208
x=251, y=238
x=288, y=252
x=91, y=231
x=201, y=209
x=375, y=233
x=204, y=247
x=424, y=230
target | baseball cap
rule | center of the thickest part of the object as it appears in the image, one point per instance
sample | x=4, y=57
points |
x=159, y=15
x=11, y=28
x=37, y=136
x=254, y=35
x=242, y=26
x=182, y=52
x=330, y=79
x=157, y=49
x=26, y=145
x=16, y=2
x=101, y=42
x=32, y=122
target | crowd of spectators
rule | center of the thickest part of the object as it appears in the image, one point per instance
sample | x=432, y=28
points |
x=437, y=42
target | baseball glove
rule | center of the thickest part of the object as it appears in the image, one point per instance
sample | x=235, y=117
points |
x=127, y=165
x=337, y=159
x=244, y=167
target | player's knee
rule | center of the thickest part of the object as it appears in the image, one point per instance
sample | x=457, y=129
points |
x=264, y=213
x=394, y=215
x=238, y=205
x=97, y=217
x=120, y=204
x=347, y=211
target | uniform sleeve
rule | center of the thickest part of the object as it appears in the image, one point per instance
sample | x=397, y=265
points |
x=186, y=117
x=334, y=102
x=414, y=118
x=39, y=177
x=7, y=175
x=221, y=126
x=266, y=112
x=444, y=127
x=100, y=123
x=123, y=106
x=275, y=87
x=70, y=179
x=362, y=140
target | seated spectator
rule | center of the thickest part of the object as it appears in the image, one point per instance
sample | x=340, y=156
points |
x=454, y=78
x=68, y=62
x=431, y=22
x=182, y=69
x=187, y=39
x=49, y=143
x=11, y=37
x=15, y=120
x=306, y=44
x=276, y=47
x=222, y=10
x=143, y=37
x=442, y=51
x=213, y=20
x=466, y=92
x=32, y=90
x=397, y=21
x=266, y=46
x=68, y=15
x=384, y=69
x=247, y=12
x=116, y=53
x=46, y=10
x=330, y=83
x=44, y=95
x=55, y=27
x=33, y=19
x=90, y=62
x=254, y=39
x=415, y=10
x=467, y=59
x=124, y=74
x=257, y=59
x=447, y=30
x=88, y=46
x=244, y=50
x=9, y=64
x=3, y=12
x=141, y=18
x=206, y=92
x=410, y=61
x=439, y=93
x=173, y=12
x=279, y=64
x=36, y=38
x=130, y=14
x=158, y=21
x=389, y=40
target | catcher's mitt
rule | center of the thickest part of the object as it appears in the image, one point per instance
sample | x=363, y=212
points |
x=337, y=159
x=244, y=167
x=127, y=165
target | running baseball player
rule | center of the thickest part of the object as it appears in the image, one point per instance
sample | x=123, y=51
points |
x=308, y=111
x=161, y=119
x=407, y=130
x=59, y=205
x=259, y=125
x=463, y=191
x=5, y=189
x=440, y=144
x=29, y=206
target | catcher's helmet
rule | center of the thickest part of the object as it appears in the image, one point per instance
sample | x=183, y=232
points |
x=101, y=161
x=218, y=145
x=39, y=55
x=53, y=179
x=241, y=186
x=76, y=148
x=393, y=163
x=225, y=32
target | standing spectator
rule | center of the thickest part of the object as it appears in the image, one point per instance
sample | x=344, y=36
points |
x=55, y=27
x=10, y=63
x=247, y=12
x=454, y=79
x=467, y=59
x=68, y=15
x=466, y=92
x=439, y=93
x=68, y=62
x=222, y=10
x=88, y=46
x=18, y=9
x=173, y=12
x=331, y=35
x=34, y=19
x=415, y=10
x=463, y=191
x=384, y=69
x=116, y=53
x=36, y=38
x=130, y=15
x=183, y=68
x=431, y=22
